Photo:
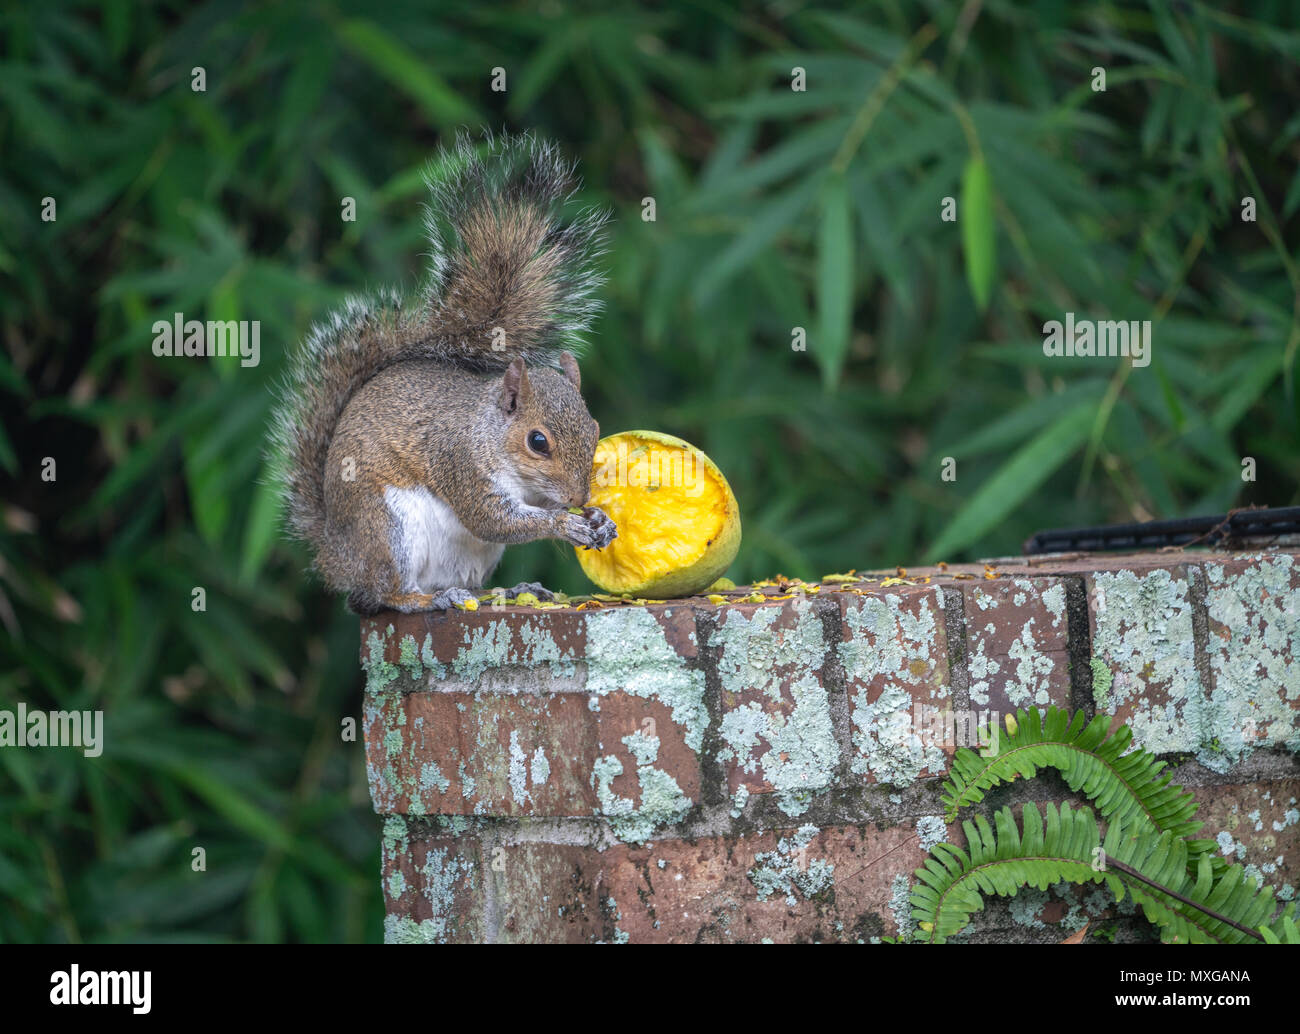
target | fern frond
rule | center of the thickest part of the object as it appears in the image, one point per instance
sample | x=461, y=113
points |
x=1127, y=788
x=1151, y=867
x=1283, y=930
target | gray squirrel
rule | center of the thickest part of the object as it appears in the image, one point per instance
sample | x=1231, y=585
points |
x=417, y=438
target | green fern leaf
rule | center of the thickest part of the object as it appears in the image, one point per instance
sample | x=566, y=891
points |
x=1124, y=787
x=1150, y=866
x=1283, y=930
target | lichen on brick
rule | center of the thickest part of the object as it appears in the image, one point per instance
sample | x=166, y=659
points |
x=900, y=905
x=484, y=646
x=1054, y=599
x=442, y=872
x=1033, y=671
x=1143, y=634
x=627, y=651
x=440, y=876
x=643, y=747
x=404, y=930
x=982, y=668
x=431, y=778
x=1229, y=847
x=540, y=768
x=393, y=838
x=1101, y=680
x=380, y=673
x=409, y=657
x=518, y=769
x=931, y=830
x=1254, y=656
x=891, y=648
x=788, y=870
x=662, y=800
x=1020, y=668
x=795, y=751
x=1026, y=907
x=540, y=647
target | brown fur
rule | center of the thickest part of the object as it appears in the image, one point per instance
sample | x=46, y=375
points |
x=443, y=393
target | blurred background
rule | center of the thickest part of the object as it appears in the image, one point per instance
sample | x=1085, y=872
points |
x=775, y=209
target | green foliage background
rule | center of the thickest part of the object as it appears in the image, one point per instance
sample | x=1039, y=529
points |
x=775, y=209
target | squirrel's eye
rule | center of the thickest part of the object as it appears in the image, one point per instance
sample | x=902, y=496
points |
x=538, y=443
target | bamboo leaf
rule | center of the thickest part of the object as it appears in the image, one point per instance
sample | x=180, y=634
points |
x=834, y=280
x=978, y=231
x=1031, y=465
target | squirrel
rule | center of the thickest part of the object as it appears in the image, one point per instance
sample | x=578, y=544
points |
x=417, y=438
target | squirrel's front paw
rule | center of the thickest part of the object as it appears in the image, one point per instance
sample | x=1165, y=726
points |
x=448, y=598
x=592, y=528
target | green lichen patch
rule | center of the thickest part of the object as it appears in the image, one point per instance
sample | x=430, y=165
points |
x=540, y=768
x=380, y=673
x=1016, y=642
x=931, y=830
x=900, y=906
x=1031, y=683
x=628, y=652
x=431, y=778
x=662, y=800
x=409, y=657
x=485, y=646
x=1101, y=680
x=892, y=664
x=404, y=930
x=1143, y=635
x=442, y=875
x=785, y=735
x=789, y=871
x=1253, y=611
x=982, y=669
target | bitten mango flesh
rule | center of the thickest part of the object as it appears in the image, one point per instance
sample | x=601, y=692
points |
x=678, y=521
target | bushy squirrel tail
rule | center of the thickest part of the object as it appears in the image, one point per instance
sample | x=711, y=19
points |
x=509, y=278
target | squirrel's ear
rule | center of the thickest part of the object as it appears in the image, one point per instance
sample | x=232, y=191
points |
x=515, y=389
x=570, y=367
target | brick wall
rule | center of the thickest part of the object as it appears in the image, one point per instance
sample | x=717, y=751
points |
x=746, y=770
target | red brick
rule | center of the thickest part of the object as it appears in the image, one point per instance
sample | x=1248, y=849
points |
x=776, y=729
x=1017, y=644
x=1253, y=616
x=1143, y=646
x=1258, y=826
x=459, y=706
x=894, y=655
x=434, y=888
x=705, y=891
x=456, y=753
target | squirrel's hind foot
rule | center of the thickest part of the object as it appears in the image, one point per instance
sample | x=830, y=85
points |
x=363, y=603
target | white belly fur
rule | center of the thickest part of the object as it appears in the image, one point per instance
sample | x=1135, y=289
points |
x=440, y=553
